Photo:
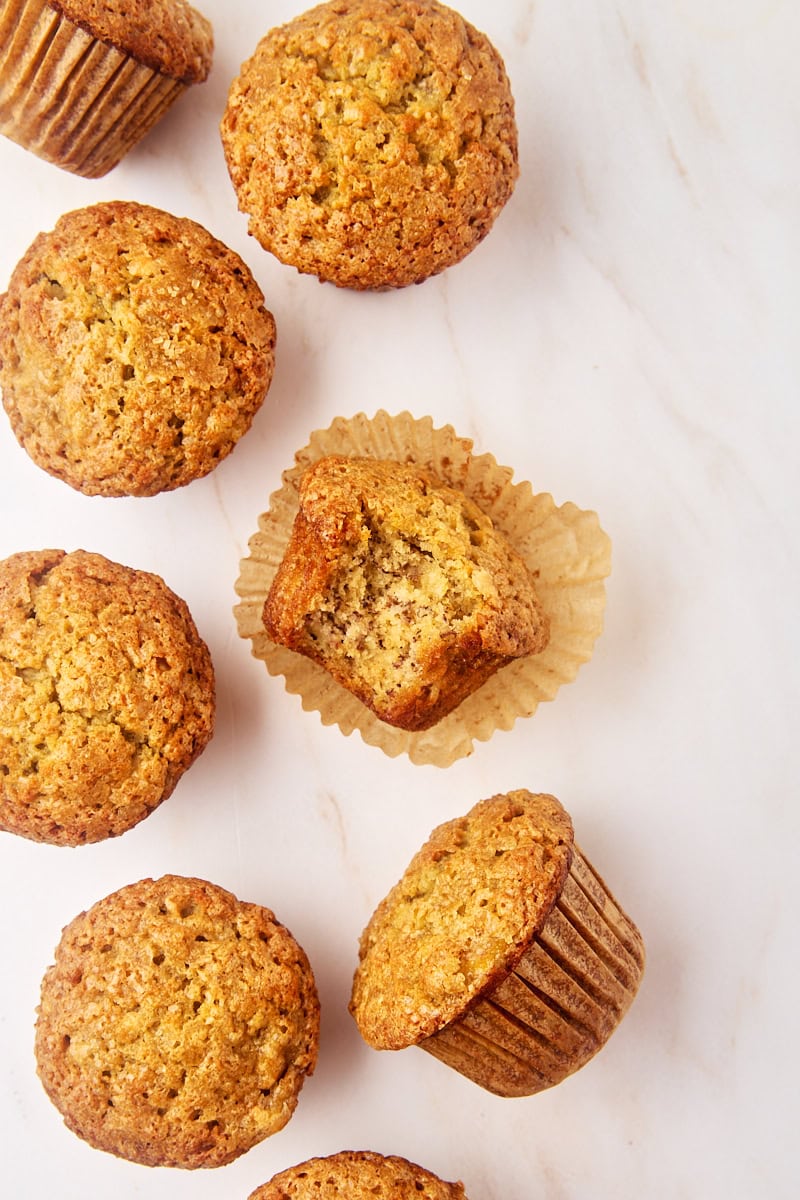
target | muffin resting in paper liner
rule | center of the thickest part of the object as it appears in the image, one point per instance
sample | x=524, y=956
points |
x=565, y=550
x=177, y=1024
x=357, y=1175
x=401, y=588
x=82, y=81
x=501, y=951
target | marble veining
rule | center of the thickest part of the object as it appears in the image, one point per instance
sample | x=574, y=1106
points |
x=626, y=338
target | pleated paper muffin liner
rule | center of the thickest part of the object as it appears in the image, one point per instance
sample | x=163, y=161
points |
x=564, y=547
x=70, y=98
x=562, y=1001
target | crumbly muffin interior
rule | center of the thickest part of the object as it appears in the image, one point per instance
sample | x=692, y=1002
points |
x=411, y=583
x=401, y=588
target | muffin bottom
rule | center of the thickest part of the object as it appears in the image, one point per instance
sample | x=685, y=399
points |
x=562, y=1001
x=70, y=98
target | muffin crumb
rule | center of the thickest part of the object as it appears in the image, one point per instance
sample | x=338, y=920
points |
x=358, y=1175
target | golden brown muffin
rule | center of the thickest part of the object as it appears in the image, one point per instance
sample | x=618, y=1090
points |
x=372, y=142
x=401, y=588
x=135, y=350
x=564, y=548
x=500, y=951
x=177, y=1024
x=357, y=1175
x=82, y=81
x=106, y=695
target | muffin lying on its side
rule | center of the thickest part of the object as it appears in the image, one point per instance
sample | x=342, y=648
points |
x=372, y=142
x=500, y=951
x=82, y=81
x=135, y=350
x=106, y=695
x=401, y=588
x=177, y=1024
x=357, y=1175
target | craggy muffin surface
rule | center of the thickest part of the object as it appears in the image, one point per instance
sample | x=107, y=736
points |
x=168, y=35
x=372, y=142
x=135, y=350
x=466, y=909
x=177, y=1024
x=358, y=1175
x=106, y=695
x=401, y=588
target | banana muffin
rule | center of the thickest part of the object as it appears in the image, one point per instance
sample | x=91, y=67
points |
x=500, y=951
x=401, y=588
x=135, y=350
x=82, y=81
x=357, y=1175
x=566, y=551
x=106, y=695
x=177, y=1024
x=372, y=142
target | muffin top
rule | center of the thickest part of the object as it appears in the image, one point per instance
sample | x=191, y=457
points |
x=463, y=914
x=177, y=1024
x=166, y=35
x=106, y=695
x=372, y=142
x=135, y=350
x=357, y=1175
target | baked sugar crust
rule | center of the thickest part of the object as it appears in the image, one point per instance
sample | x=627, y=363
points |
x=106, y=695
x=462, y=915
x=358, y=1175
x=372, y=142
x=135, y=350
x=169, y=36
x=177, y=1024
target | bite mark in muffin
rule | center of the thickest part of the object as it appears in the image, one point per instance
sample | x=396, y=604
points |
x=402, y=589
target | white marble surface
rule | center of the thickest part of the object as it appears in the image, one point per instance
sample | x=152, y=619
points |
x=627, y=338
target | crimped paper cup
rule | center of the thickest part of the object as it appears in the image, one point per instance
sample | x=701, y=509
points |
x=565, y=548
x=70, y=98
x=560, y=1004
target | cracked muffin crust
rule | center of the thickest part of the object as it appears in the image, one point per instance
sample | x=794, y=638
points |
x=106, y=695
x=177, y=1024
x=401, y=588
x=358, y=1175
x=500, y=951
x=372, y=142
x=135, y=350
x=168, y=35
